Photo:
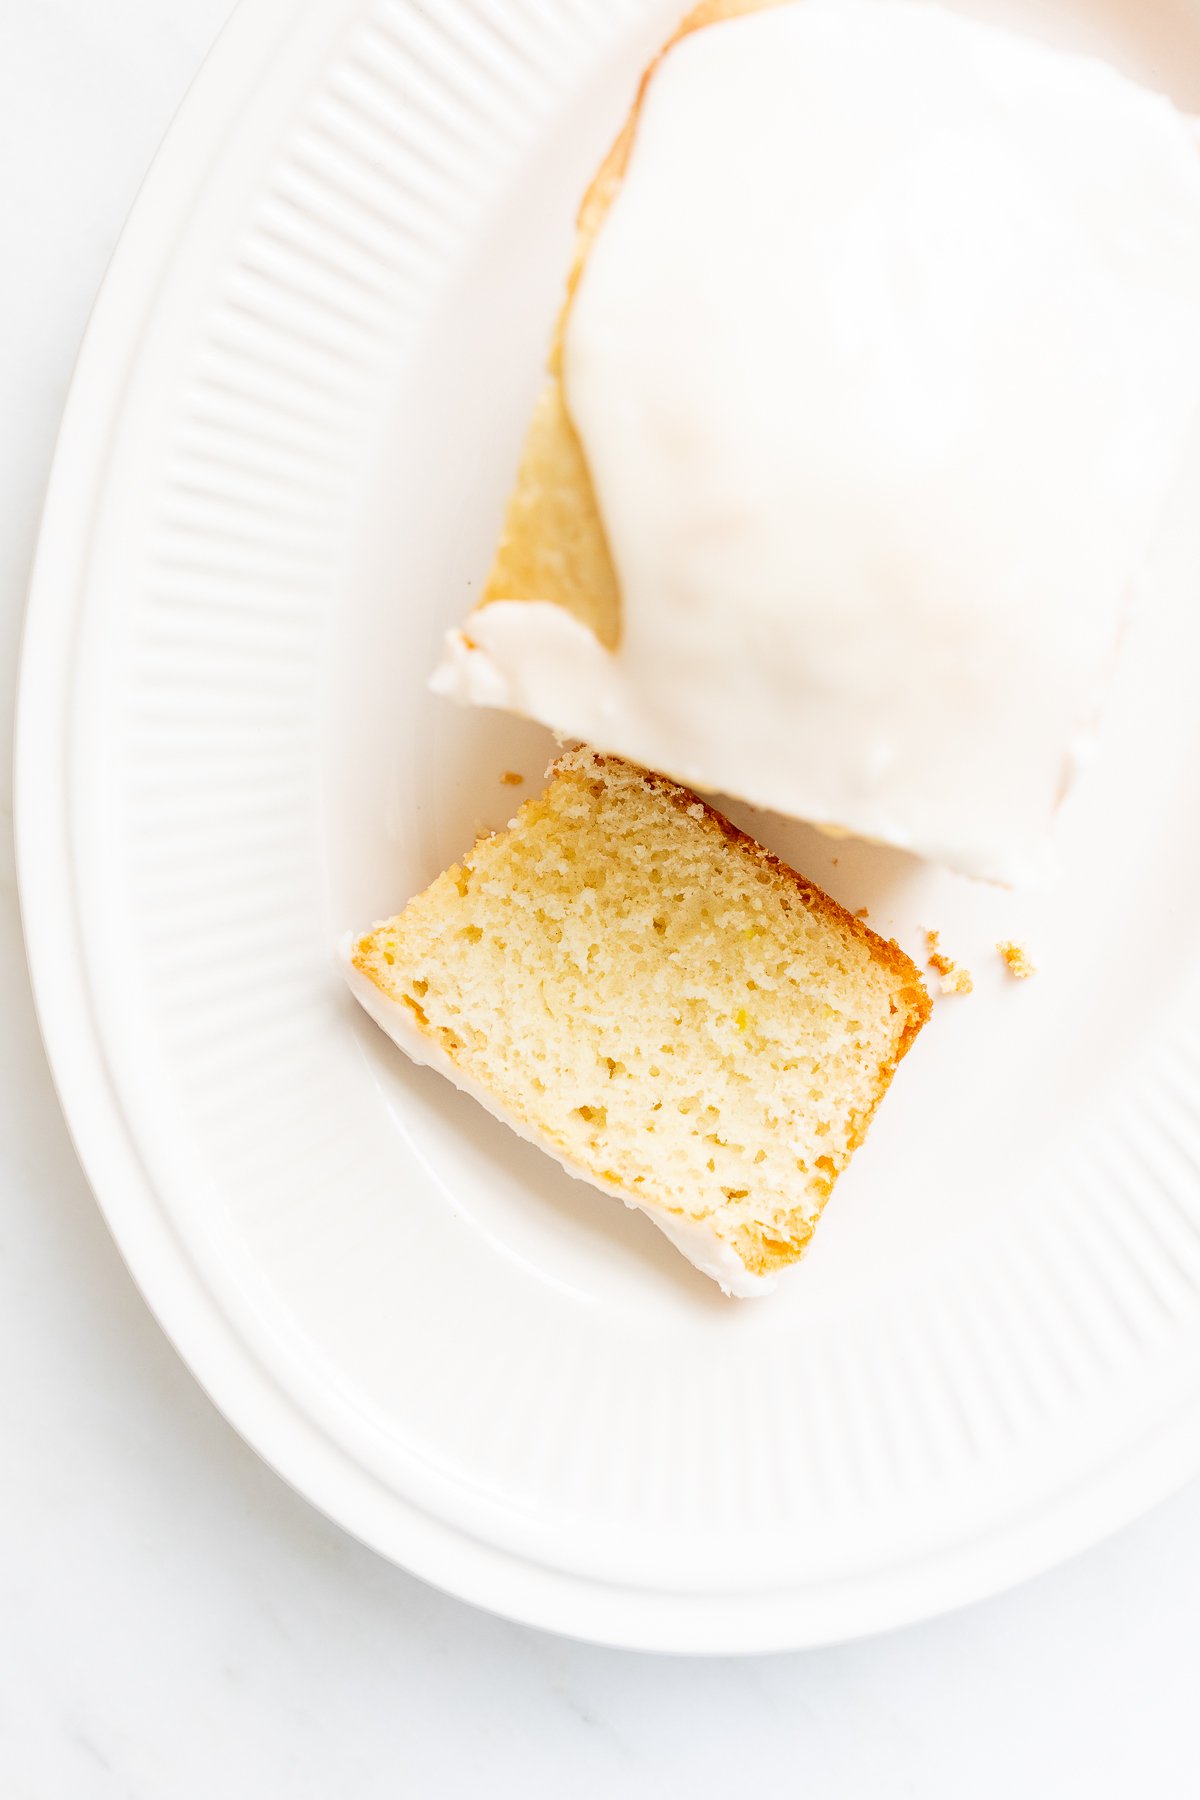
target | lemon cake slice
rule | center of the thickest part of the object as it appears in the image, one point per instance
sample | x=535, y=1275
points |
x=649, y=995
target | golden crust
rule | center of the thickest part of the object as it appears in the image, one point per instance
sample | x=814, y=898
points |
x=553, y=544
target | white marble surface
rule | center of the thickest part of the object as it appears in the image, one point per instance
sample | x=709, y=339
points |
x=174, y=1623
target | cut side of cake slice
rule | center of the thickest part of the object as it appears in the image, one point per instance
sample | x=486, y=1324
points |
x=653, y=998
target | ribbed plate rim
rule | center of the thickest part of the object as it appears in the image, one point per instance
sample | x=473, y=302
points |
x=1148, y=1471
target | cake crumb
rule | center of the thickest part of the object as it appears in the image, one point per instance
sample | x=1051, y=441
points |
x=510, y=778
x=1016, y=959
x=957, y=981
x=953, y=979
x=862, y=913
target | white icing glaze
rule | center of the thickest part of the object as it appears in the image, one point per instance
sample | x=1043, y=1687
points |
x=695, y=1238
x=882, y=362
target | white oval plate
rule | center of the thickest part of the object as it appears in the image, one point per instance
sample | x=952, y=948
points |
x=281, y=470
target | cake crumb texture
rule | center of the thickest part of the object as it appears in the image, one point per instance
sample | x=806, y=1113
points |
x=952, y=979
x=658, y=1001
x=1016, y=961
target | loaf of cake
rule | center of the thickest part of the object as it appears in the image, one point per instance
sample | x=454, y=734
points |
x=654, y=999
x=553, y=545
x=878, y=358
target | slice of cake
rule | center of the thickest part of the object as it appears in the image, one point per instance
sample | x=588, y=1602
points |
x=634, y=985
